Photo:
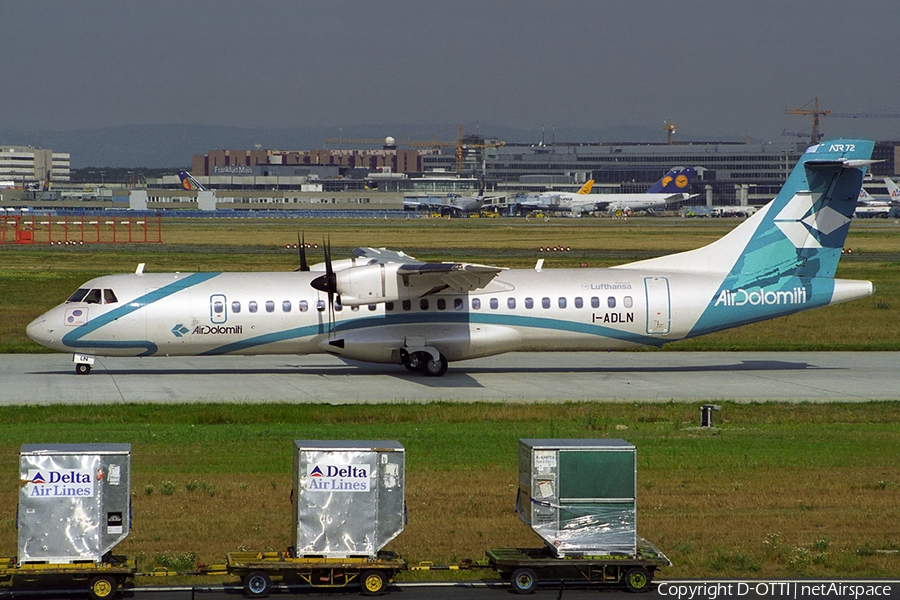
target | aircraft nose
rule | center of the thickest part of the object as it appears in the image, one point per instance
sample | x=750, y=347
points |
x=40, y=331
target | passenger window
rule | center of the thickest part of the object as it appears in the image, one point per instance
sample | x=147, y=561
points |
x=304, y=306
x=338, y=307
x=219, y=306
x=595, y=302
x=510, y=303
x=476, y=303
x=458, y=303
x=423, y=304
x=579, y=302
x=628, y=302
x=354, y=308
x=251, y=306
x=562, y=302
x=372, y=307
x=529, y=302
x=109, y=297
x=235, y=307
x=320, y=305
x=270, y=306
x=388, y=306
x=611, y=302
x=286, y=306
x=545, y=302
x=494, y=303
x=441, y=304
x=93, y=297
x=79, y=295
x=406, y=304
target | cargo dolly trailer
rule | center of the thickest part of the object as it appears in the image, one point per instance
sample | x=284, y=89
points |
x=371, y=573
x=524, y=567
x=74, y=507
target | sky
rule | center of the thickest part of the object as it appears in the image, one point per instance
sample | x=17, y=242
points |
x=716, y=67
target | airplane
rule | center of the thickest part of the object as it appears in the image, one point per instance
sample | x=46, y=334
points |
x=189, y=183
x=455, y=206
x=386, y=307
x=869, y=206
x=670, y=188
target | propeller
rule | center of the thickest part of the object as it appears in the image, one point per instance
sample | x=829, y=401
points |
x=328, y=283
x=304, y=266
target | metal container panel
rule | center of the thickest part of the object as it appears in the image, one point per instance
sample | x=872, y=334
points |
x=579, y=495
x=349, y=497
x=74, y=501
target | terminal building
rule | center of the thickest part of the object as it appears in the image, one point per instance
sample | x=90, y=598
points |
x=743, y=174
x=32, y=168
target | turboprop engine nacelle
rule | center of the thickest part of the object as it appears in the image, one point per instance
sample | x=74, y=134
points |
x=370, y=284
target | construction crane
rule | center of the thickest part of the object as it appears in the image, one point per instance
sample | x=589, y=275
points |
x=815, y=112
x=471, y=141
x=670, y=129
x=866, y=115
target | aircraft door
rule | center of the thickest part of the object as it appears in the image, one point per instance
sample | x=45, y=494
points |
x=218, y=311
x=659, y=307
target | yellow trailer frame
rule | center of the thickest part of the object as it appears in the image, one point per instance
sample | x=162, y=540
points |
x=256, y=570
x=104, y=579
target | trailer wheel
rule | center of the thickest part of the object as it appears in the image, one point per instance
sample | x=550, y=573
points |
x=637, y=579
x=102, y=587
x=257, y=584
x=523, y=581
x=372, y=582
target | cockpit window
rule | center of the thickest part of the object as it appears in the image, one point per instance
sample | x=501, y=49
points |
x=93, y=297
x=79, y=295
x=109, y=297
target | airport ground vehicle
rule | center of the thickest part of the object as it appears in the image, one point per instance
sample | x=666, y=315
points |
x=256, y=570
x=104, y=579
x=524, y=567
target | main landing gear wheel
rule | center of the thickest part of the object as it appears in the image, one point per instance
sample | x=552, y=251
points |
x=412, y=362
x=523, y=581
x=82, y=368
x=372, y=582
x=637, y=579
x=257, y=584
x=102, y=587
x=434, y=368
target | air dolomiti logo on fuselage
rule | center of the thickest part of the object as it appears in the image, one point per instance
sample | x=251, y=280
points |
x=180, y=330
x=325, y=477
x=761, y=297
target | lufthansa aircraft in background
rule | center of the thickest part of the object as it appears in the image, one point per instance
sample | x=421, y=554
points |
x=670, y=188
x=386, y=307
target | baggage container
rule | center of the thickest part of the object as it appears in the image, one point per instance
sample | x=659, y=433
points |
x=74, y=501
x=349, y=497
x=579, y=495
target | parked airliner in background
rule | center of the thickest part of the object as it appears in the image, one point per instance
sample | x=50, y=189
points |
x=670, y=188
x=189, y=183
x=386, y=307
x=869, y=206
x=453, y=205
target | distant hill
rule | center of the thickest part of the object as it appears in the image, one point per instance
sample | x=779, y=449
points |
x=155, y=146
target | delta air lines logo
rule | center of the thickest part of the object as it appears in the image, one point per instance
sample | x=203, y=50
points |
x=50, y=483
x=326, y=477
x=805, y=225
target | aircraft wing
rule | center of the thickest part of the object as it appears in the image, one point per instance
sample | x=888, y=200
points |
x=384, y=256
x=460, y=277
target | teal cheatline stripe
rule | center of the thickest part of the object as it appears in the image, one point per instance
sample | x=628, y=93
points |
x=74, y=339
x=400, y=319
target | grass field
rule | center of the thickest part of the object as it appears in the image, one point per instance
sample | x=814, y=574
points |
x=774, y=490
x=34, y=279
